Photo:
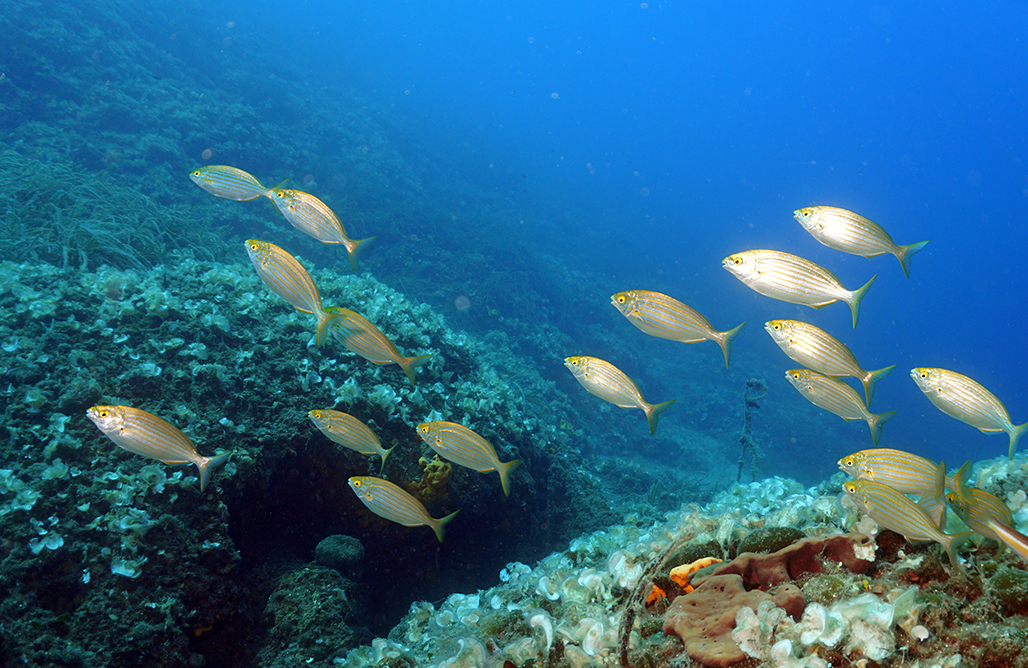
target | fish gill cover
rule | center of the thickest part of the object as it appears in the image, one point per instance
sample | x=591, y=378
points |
x=518, y=166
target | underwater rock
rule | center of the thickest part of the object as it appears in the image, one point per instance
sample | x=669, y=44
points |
x=306, y=618
x=705, y=618
x=342, y=553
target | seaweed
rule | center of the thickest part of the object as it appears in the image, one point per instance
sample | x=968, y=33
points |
x=52, y=212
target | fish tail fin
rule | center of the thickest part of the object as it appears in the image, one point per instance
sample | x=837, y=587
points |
x=207, y=466
x=856, y=296
x=653, y=410
x=385, y=456
x=724, y=339
x=1015, y=436
x=355, y=248
x=439, y=525
x=872, y=379
x=876, y=422
x=904, y=253
x=952, y=544
x=958, y=483
x=410, y=365
x=504, y=469
x=327, y=318
x=270, y=192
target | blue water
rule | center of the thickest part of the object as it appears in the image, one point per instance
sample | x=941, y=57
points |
x=676, y=134
x=568, y=150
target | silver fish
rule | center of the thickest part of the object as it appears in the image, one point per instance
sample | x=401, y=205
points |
x=792, y=279
x=852, y=233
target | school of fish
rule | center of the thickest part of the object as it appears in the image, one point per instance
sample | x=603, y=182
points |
x=884, y=479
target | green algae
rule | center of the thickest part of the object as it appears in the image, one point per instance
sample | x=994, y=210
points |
x=1010, y=587
x=769, y=539
x=825, y=589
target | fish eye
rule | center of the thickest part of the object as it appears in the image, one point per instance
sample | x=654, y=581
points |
x=621, y=300
x=776, y=326
x=356, y=483
x=736, y=260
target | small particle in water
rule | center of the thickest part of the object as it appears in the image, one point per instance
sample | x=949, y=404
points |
x=462, y=303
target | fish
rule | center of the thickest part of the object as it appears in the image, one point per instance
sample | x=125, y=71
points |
x=361, y=337
x=395, y=504
x=229, y=182
x=311, y=216
x=852, y=233
x=609, y=383
x=837, y=397
x=287, y=278
x=146, y=434
x=349, y=432
x=660, y=315
x=958, y=396
x=894, y=511
x=460, y=445
x=910, y=474
x=818, y=350
x=978, y=509
x=792, y=279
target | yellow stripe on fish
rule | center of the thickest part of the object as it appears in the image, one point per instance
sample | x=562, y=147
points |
x=146, y=434
x=361, y=337
x=460, y=445
x=349, y=432
x=852, y=233
x=837, y=397
x=816, y=349
x=396, y=505
x=287, y=278
x=660, y=315
x=894, y=511
x=228, y=182
x=958, y=396
x=792, y=279
x=311, y=216
x=908, y=473
x=609, y=383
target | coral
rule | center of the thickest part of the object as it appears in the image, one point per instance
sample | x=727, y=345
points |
x=806, y=556
x=431, y=488
x=705, y=618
